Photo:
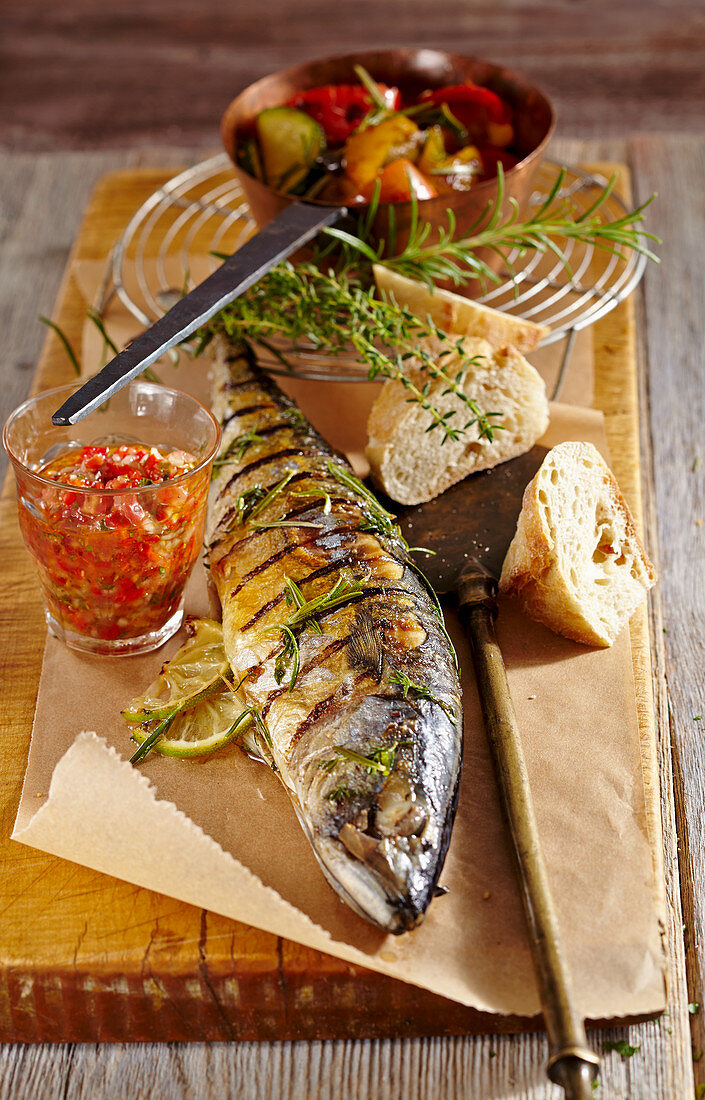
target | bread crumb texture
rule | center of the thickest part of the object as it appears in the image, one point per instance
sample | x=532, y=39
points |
x=412, y=464
x=576, y=562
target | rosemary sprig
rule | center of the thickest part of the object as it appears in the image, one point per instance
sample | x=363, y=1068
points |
x=251, y=502
x=109, y=344
x=407, y=684
x=341, y=794
x=305, y=615
x=188, y=704
x=246, y=501
x=455, y=259
x=65, y=341
x=270, y=496
x=427, y=113
x=372, y=88
x=379, y=521
x=318, y=494
x=295, y=419
x=380, y=759
x=283, y=523
x=237, y=449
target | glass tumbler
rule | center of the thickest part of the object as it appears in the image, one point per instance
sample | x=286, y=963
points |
x=113, y=562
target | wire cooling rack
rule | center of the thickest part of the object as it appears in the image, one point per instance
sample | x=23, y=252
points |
x=168, y=247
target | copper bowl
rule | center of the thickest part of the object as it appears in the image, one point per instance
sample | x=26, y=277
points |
x=412, y=71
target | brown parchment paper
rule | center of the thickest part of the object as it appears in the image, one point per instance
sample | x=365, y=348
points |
x=222, y=833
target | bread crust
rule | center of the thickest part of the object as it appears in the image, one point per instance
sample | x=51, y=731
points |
x=542, y=562
x=455, y=314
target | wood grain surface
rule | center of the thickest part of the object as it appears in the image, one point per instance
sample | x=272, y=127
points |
x=84, y=73
x=479, y=1066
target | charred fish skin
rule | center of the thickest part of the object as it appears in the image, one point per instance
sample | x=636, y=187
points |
x=340, y=648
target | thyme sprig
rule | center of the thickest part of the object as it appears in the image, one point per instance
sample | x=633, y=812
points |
x=305, y=615
x=330, y=303
x=333, y=309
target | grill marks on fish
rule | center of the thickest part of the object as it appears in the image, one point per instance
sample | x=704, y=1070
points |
x=372, y=774
x=305, y=669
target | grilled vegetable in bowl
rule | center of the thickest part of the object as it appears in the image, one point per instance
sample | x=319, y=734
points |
x=448, y=139
x=398, y=85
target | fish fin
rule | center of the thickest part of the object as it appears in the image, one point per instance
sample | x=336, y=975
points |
x=365, y=646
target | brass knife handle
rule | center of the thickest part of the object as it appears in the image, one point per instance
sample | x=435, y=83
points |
x=572, y=1064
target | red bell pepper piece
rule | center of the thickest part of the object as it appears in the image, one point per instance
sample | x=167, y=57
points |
x=484, y=115
x=340, y=108
x=491, y=154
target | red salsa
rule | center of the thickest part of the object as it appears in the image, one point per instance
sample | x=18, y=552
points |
x=117, y=538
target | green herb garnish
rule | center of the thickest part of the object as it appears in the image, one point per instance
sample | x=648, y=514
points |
x=317, y=494
x=379, y=520
x=377, y=760
x=407, y=685
x=237, y=448
x=305, y=615
x=65, y=341
x=335, y=309
x=453, y=258
x=621, y=1046
x=341, y=794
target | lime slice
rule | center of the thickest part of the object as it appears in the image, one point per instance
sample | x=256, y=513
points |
x=204, y=728
x=195, y=670
x=192, y=707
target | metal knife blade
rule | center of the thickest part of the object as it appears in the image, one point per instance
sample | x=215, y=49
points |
x=475, y=519
x=291, y=229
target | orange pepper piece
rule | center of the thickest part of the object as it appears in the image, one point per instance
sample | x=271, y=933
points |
x=399, y=181
x=368, y=150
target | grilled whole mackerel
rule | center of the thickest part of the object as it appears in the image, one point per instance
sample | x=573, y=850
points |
x=340, y=650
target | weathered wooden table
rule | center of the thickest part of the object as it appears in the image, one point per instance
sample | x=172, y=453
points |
x=42, y=200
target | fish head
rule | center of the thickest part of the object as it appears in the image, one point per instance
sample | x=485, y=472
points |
x=379, y=806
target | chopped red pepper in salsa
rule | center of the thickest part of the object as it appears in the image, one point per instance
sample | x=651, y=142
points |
x=113, y=562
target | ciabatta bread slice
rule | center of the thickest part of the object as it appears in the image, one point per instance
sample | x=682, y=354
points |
x=576, y=562
x=413, y=464
x=455, y=314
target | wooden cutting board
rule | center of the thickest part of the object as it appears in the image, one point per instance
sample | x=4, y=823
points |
x=84, y=957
